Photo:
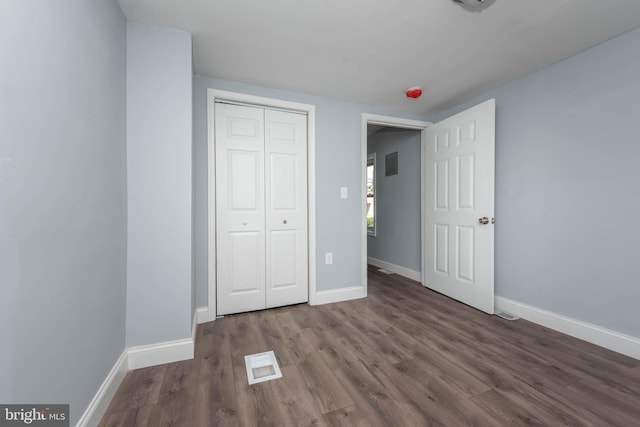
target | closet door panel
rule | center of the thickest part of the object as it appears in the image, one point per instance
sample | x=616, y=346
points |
x=286, y=208
x=240, y=212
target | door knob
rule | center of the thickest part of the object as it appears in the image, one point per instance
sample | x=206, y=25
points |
x=244, y=223
x=284, y=222
x=484, y=220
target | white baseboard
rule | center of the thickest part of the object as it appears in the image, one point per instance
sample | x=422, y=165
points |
x=157, y=354
x=338, y=295
x=135, y=358
x=100, y=402
x=402, y=271
x=167, y=352
x=202, y=315
x=612, y=340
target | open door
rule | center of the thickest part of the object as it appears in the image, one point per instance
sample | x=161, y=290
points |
x=459, y=202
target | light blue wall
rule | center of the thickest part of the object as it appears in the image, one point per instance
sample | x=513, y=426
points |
x=338, y=163
x=568, y=185
x=159, y=165
x=62, y=199
x=397, y=199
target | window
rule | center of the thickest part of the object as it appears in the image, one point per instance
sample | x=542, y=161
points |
x=371, y=191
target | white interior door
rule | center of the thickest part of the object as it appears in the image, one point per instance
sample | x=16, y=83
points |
x=459, y=201
x=261, y=208
x=286, y=208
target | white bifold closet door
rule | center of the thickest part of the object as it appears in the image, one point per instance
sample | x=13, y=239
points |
x=261, y=208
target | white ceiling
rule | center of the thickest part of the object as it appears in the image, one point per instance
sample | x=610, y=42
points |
x=371, y=51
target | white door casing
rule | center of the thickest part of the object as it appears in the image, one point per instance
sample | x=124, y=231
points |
x=459, y=193
x=261, y=209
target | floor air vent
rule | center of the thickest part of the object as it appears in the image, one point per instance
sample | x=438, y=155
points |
x=507, y=316
x=262, y=367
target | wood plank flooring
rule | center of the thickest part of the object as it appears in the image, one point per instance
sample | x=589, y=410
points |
x=404, y=356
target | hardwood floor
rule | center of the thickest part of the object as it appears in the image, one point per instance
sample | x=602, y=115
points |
x=404, y=356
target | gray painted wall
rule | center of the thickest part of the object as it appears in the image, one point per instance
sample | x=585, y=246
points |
x=397, y=199
x=338, y=163
x=567, y=182
x=159, y=165
x=62, y=199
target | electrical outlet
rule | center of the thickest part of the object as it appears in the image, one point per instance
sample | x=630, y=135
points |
x=344, y=193
x=328, y=257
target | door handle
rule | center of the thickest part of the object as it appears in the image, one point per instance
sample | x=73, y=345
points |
x=484, y=220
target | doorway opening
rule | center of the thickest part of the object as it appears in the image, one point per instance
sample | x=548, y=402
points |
x=457, y=160
x=393, y=170
x=394, y=200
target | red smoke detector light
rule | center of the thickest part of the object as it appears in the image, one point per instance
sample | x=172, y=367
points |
x=414, y=92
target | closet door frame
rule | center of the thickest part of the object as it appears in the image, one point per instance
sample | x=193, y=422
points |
x=214, y=95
